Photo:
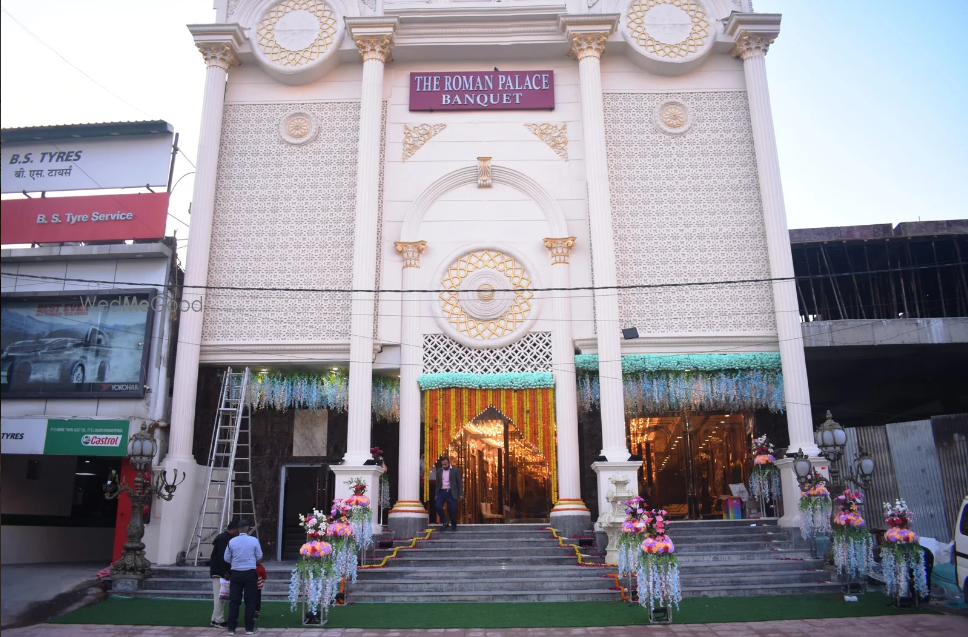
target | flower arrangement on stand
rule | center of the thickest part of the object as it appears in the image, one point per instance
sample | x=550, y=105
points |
x=315, y=580
x=815, y=506
x=360, y=515
x=340, y=534
x=658, y=569
x=851, y=542
x=901, y=554
x=633, y=532
x=765, y=476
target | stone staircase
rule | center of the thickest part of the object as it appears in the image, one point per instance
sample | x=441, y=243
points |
x=523, y=563
x=739, y=558
x=486, y=563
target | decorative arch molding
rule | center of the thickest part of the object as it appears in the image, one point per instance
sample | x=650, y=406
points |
x=718, y=8
x=499, y=175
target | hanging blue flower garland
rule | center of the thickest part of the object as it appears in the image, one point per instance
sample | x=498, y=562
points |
x=321, y=391
x=656, y=383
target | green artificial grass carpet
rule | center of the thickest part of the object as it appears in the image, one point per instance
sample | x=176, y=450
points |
x=162, y=612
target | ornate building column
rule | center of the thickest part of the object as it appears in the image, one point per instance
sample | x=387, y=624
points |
x=218, y=44
x=754, y=33
x=569, y=515
x=373, y=37
x=588, y=35
x=408, y=516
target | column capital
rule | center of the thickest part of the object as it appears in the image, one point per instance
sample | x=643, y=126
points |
x=219, y=44
x=410, y=251
x=560, y=249
x=753, y=33
x=373, y=36
x=587, y=33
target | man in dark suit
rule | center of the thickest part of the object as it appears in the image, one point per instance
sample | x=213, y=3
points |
x=219, y=570
x=450, y=489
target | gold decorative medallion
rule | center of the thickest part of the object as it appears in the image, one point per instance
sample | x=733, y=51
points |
x=298, y=127
x=555, y=135
x=486, y=295
x=297, y=32
x=672, y=117
x=414, y=137
x=669, y=28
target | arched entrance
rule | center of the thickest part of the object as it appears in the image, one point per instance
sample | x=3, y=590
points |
x=504, y=442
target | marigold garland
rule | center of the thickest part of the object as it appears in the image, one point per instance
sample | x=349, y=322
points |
x=446, y=411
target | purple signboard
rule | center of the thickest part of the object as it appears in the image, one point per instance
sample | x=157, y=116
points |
x=481, y=90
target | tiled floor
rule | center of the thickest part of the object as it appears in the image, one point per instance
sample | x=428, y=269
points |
x=943, y=625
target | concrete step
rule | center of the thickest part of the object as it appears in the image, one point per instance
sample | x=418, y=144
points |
x=467, y=586
x=461, y=563
x=704, y=537
x=756, y=591
x=737, y=556
x=474, y=553
x=488, y=596
x=758, y=579
x=473, y=572
x=744, y=566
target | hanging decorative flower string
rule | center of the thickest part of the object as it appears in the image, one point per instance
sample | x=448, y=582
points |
x=815, y=506
x=316, y=577
x=852, y=543
x=633, y=532
x=765, y=476
x=901, y=554
x=340, y=534
x=321, y=391
x=656, y=383
x=377, y=454
x=657, y=577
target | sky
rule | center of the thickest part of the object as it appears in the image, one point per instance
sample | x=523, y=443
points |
x=868, y=96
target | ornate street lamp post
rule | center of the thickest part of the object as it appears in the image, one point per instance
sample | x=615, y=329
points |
x=141, y=449
x=831, y=438
x=801, y=467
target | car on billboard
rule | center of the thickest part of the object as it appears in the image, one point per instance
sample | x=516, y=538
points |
x=66, y=356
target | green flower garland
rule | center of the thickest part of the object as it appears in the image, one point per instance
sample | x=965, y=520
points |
x=536, y=380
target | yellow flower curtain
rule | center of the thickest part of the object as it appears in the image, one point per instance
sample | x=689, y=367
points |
x=446, y=411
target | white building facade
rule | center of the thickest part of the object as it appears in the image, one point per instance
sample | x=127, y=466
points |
x=465, y=254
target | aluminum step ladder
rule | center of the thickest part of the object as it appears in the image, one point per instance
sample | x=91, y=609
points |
x=228, y=494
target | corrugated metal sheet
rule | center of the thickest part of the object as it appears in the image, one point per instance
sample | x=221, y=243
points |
x=951, y=440
x=883, y=488
x=918, y=473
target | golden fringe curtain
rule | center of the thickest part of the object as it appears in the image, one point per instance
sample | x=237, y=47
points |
x=446, y=411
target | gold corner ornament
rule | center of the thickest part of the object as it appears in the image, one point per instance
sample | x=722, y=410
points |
x=410, y=251
x=219, y=55
x=560, y=249
x=484, y=172
x=751, y=46
x=374, y=47
x=414, y=137
x=588, y=45
x=554, y=135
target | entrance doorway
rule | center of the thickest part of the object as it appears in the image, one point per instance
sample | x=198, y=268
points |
x=304, y=488
x=689, y=461
x=506, y=477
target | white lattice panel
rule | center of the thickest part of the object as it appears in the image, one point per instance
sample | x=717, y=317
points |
x=442, y=354
x=283, y=218
x=687, y=208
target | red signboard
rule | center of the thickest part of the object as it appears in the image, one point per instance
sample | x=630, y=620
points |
x=96, y=218
x=482, y=90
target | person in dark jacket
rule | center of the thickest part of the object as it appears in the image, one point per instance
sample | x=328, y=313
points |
x=450, y=489
x=218, y=570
